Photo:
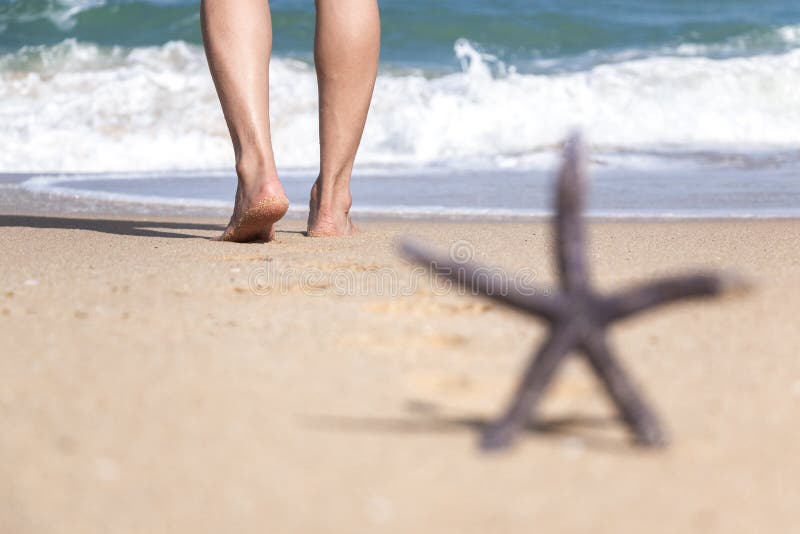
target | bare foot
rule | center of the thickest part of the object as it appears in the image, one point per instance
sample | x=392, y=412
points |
x=329, y=215
x=259, y=205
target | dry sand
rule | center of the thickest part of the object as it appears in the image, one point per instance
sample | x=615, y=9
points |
x=145, y=387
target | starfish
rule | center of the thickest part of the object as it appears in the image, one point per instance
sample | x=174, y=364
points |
x=578, y=316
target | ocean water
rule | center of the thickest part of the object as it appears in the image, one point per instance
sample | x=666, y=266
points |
x=466, y=88
x=685, y=190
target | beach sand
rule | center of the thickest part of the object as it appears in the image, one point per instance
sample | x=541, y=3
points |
x=148, y=385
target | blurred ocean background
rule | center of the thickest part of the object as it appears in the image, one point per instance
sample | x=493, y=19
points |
x=471, y=94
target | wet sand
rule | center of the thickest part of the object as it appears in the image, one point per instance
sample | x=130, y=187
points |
x=150, y=383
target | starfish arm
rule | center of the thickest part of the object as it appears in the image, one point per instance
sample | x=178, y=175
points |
x=631, y=301
x=629, y=402
x=488, y=281
x=538, y=376
x=568, y=218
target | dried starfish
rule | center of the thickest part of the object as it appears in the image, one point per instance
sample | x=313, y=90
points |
x=578, y=316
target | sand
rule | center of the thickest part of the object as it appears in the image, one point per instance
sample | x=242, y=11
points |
x=149, y=383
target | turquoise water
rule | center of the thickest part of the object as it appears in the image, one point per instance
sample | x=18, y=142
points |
x=529, y=35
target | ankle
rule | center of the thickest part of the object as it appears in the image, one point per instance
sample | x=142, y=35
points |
x=258, y=179
x=255, y=168
x=328, y=196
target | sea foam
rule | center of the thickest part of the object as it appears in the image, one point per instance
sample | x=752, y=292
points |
x=80, y=107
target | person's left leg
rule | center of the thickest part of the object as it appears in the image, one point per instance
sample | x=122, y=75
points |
x=238, y=40
x=346, y=49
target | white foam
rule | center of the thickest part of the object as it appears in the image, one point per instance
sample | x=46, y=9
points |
x=790, y=34
x=77, y=107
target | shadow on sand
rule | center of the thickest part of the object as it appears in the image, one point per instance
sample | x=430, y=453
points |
x=597, y=433
x=139, y=228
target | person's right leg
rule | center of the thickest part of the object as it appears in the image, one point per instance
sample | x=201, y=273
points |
x=238, y=42
x=346, y=49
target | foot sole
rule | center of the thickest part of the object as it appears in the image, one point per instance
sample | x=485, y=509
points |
x=256, y=223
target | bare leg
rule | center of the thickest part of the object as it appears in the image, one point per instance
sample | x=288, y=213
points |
x=238, y=42
x=346, y=48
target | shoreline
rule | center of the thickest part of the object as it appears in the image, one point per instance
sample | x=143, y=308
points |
x=371, y=194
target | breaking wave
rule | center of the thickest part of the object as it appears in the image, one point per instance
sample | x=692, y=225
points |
x=75, y=106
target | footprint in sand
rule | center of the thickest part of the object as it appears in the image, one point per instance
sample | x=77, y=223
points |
x=429, y=306
x=244, y=259
x=390, y=341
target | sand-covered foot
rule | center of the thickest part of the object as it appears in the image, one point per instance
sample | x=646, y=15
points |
x=260, y=203
x=329, y=215
x=328, y=227
x=256, y=223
